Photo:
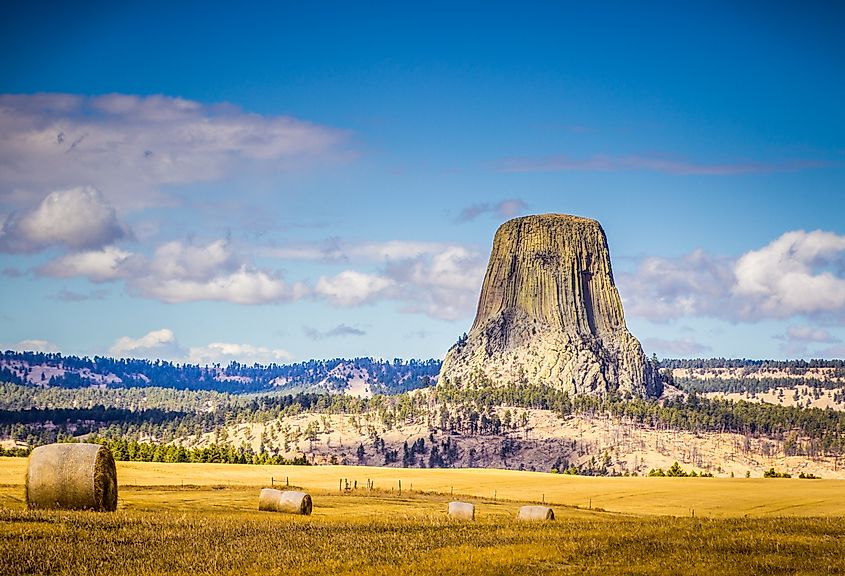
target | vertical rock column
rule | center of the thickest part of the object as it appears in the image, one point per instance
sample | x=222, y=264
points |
x=549, y=313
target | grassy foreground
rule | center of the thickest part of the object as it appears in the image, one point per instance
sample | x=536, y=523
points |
x=211, y=526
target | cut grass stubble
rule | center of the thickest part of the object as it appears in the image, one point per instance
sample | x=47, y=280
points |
x=378, y=535
x=218, y=530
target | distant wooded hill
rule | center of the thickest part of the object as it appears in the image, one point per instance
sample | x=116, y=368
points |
x=746, y=363
x=366, y=375
x=359, y=376
x=50, y=397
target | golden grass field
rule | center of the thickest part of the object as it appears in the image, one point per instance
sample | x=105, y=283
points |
x=716, y=497
x=203, y=519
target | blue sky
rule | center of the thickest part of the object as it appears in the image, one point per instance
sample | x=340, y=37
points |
x=279, y=182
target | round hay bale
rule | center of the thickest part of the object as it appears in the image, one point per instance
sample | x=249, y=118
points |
x=268, y=500
x=73, y=477
x=462, y=510
x=535, y=513
x=295, y=503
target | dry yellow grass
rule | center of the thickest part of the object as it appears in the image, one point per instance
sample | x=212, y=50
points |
x=179, y=531
x=713, y=497
x=211, y=525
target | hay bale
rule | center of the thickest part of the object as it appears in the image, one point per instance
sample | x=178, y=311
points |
x=268, y=500
x=462, y=510
x=72, y=476
x=291, y=502
x=535, y=513
x=295, y=503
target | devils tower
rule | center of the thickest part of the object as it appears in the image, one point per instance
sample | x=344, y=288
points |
x=550, y=314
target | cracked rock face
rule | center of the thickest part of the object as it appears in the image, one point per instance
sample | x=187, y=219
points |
x=550, y=314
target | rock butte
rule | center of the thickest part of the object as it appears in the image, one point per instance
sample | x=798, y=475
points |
x=550, y=314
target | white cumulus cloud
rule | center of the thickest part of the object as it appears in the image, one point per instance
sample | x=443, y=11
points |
x=109, y=263
x=224, y=352
x=33, y=345
x=163, y=344
x=433, y=278
x=156, y=344
x=445, y=285
x=243, y=286
x=78, y=218
x=351, y=288
x=192, y=262
x=181, y=272
x=798, y=274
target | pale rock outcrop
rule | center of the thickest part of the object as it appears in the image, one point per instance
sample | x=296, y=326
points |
x=550, y=314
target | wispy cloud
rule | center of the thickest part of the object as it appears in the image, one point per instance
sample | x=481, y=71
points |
x=12, y=272
x=337, y=249
x=504, y=209
x=130, y=147
x=809, y=334
x=339, y=331
x=421, y=334
x=667, y=165
x=837, y=351
x=66, y=295
x=681, y=347
x=803, y=340
x=661, y=289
